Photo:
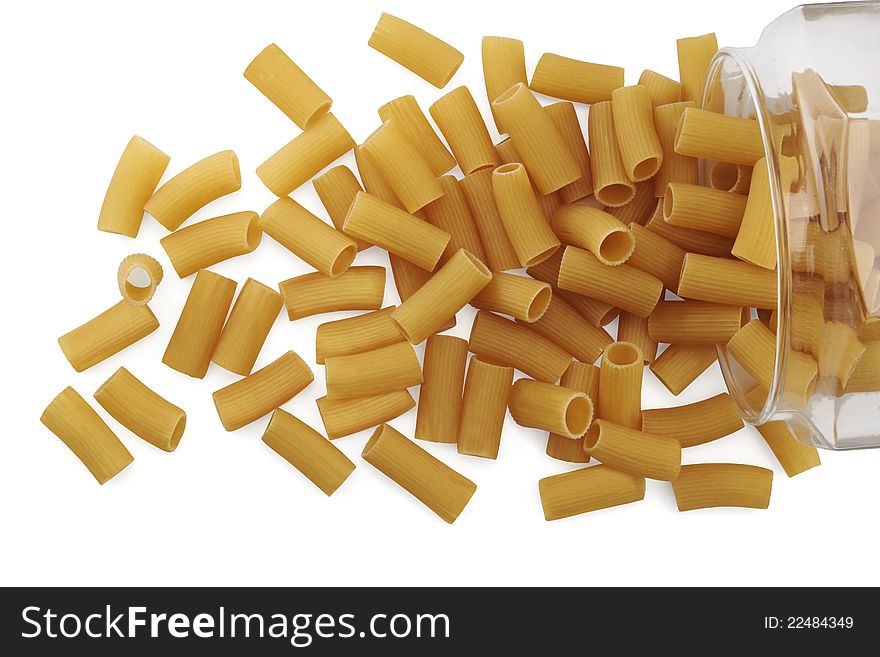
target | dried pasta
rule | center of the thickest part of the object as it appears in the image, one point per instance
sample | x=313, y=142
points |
x=674, y=167
x=620, y=385
x=459, y=119
x=343, y=417
x=359, y=288
x=694, y=424
x=611, y=184
x=637, y=139
x=484, y=403
x=703, y=208
x=639, y=210
x=250, y=320
x=574, y=80
x=563, y=325
x=585, y=378
x=692, y=241
x=680, y=365
x=452, y=213
x=633, y=451
x=693, y=322
x=694, y=55
x=657, y=256
x=406, y=113
x=794, y=456
x=729, y=282
x=662, y=90
x=706, y=485
x=557, y=409
x=719, y=137
x=634, y=329
x=594, y=230
x=394, y=367
x=356, y=334
x=866, y=375
x=337, y=188
x=138, y=277
x=565, y=120
x=504, y=64
x=730, y=177
x=211, y=241
x=441, y=392
x=588, y=489
x=478, y=190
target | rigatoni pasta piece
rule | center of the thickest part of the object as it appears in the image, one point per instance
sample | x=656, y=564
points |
x=675, y=167
x=258, y=394
x=457, y=116
x=726, y=281
x=79, y=427
x=585, y=378
x=693, y=322
x=620, y=385
x=611, y=184
x=250, y=320
x=794, y=456
x=480, y=195
x=280, y=80
x=520, y=297
x=134, y=180
x=565, y=120
x=624, y=286
x=343, y=417
x=692, y=241
x=113, y=330
x=637, y=139
x=324, y=141
x=633, y=451
x=372, y=179
x=142, y=411
x=211, y=241
x=138, y=277
x=452, y=213
x=594, y=230
x=639, y=210
x=402, y=166
x=657, y=256
x=409, y=279
x=541, y=147
x=694, y=56
x=406, y=113
x=707, y=485
x=729, y=177
x=484, y=403
x=679, y=365
x=703, y=208
x=508, y=154
x=193, y=188
x=564, y=326
x=840, y=354
x=394, y=367
x=571, y=79
x=634, y=329
x=866, y=375
x=440, y=393
x=662, y=90
x=694, y=424
x=524, y=223
x=719, y=137
x=433, y=60
x=588, y=489
x=557, y=409
x=308, y=451
x=445, y=293
x=504, y=64
x=337, y=188
x=497, y=340
x=299, y=231
x=359, y=288
x=356, y=334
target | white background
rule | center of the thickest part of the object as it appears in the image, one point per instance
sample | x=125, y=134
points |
x=78, y=80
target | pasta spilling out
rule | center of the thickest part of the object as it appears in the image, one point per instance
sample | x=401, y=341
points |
x=609, y=219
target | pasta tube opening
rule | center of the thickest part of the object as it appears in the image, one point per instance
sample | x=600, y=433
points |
x=138, y=276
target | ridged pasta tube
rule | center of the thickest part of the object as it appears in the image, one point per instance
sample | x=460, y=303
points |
x=138, y=277
x=211, y=241
x=588, y=489
x=550, y=407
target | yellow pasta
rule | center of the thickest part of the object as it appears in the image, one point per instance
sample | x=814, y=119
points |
x=109, y=333
x=679, y=365
x=451, y=213
x=299, y=231
x=406, y=113
x=457, y=116
x=638, y=210
x=692, y=241
x=394, y=367
x=637, y=139
x=694, y=56
x=504, y=64
x=564, y=326
x=258, y=394
x=508, y=155
x=138, y=277
x=729, y=177
x=409, y=279
x=565, y=120
x=430, y=307
x=343, y=417
x=392, y=229
x=571, y=79
x=794, y=456
x=540, y=146
x=588, y=489
x=693, y=322
x=356, y=334
x=866, y=375
x=211, y=241
x=674, y=167
x=633, y=451
x=250, y=320
x=337, y=188
x=634, y=329
x=725, y=281
x=433, y=60
x=714, y=136
x=594, y=230
x=839, y=354
x=497, y=340
x=662, y=90
x=71, y=418
x=142, y=411
x=373, y=181
x=402, y=166
x=440, y=394
x=134, y=180
x=360, y=288
x=198, y=329
x=280, y=80
x=484, y=403
x=585, y=378
x=656, y=256
x=620, y=385
x=611, y=184
x=703, y=208
x=518, y=296
x=707, y=485
x=624, y=286
x=561, y=410
x=694, y=424
x=193, y=188
x=478, y=190
x=308, y=451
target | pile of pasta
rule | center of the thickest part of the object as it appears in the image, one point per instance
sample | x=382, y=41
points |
x=621, y=231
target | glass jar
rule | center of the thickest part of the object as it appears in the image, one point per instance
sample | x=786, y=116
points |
x=813, y=84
